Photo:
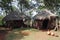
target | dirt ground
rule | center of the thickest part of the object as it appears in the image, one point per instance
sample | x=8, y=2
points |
x=33, y=35
x=40, y=35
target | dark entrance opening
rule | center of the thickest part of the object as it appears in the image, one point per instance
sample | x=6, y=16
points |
x=45, y=23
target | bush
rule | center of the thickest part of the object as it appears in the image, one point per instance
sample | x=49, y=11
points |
x=1, y=17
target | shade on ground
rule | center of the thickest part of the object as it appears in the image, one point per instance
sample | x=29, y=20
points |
x=2, y=34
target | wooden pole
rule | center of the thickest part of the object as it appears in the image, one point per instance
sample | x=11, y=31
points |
x=56, y=27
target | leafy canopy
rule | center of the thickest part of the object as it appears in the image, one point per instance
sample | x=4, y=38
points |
x=51, y=4
x=6, y=4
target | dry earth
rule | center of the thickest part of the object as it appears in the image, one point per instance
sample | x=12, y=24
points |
x=40, y=35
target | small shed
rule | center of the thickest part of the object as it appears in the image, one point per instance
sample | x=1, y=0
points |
x=15, y=19
x=45, y=20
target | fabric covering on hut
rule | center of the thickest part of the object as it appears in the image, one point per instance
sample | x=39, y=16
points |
x=45, y=20
x=15, y=19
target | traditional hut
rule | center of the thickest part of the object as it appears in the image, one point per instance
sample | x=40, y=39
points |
x=15, y=19
x=45, y=20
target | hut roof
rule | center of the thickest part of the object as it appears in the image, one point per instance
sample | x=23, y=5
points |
x=15, y=16
x=44, y=14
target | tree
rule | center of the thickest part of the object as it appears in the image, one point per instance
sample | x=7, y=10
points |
x=6, y=5
x=23, y=3
x=52, y=4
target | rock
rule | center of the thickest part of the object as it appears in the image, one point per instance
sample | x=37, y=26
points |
x=49, y=33
x=52, y=34
x=25, y=33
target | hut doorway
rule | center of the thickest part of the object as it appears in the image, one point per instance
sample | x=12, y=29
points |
x=45, y=23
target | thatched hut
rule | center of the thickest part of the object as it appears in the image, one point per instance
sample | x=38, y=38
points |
x=45, y=20
x=15, y=19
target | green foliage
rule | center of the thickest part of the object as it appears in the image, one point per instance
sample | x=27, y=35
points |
x=50, y=4
x=41, y=7
x=23, y=3
x=6, y=5
x=1, y=17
